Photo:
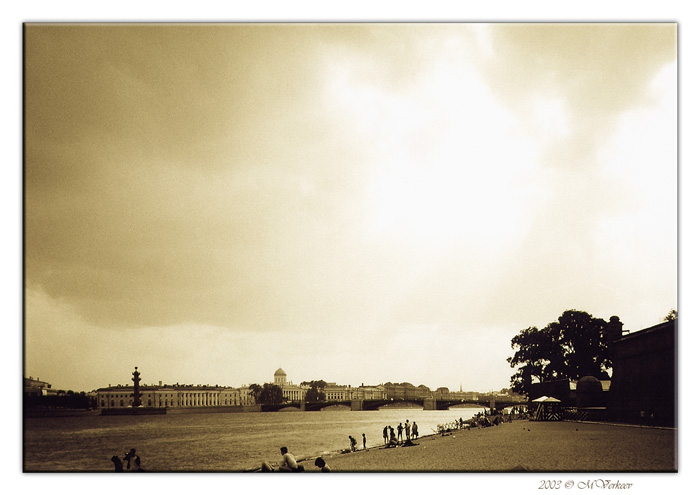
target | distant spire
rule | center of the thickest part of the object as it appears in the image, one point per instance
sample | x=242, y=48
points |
x=460, y=387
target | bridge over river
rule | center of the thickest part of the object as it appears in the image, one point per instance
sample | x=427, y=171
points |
x=429, y=404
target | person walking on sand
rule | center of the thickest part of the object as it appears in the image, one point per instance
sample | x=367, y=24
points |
x=364, y=442
x=415, y=430
x=386, y=435
x=353, y=443
x=399, y=430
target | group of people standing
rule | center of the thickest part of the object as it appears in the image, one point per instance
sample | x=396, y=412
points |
x=393, y=438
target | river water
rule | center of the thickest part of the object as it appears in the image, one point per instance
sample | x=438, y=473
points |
x=212, y=442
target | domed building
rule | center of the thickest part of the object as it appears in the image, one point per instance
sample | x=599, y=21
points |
x=291, y=392
x=280, y=377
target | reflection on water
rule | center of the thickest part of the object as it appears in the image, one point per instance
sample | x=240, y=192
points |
x=209, y=442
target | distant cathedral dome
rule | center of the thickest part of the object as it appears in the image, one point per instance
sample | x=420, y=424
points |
x=280, y=378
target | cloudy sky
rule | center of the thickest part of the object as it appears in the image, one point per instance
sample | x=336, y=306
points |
x=358, y=203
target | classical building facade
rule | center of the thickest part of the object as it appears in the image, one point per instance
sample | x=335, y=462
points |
x=443, y=393
x=35, y=387
x=191, y=396
x=368, y=392
x=174, y=396
x=291, y=392
x=339, y=392
x=406, y=391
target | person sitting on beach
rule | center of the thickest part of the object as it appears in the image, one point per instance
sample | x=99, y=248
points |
x=393, y=442
x=321, y=464
x=133, y=462
x=289, y=463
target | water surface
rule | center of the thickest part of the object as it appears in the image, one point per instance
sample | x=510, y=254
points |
x=210, y=442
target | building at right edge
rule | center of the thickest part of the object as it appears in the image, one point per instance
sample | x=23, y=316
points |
x=645, y=371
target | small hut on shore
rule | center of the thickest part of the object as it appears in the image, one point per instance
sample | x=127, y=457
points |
x=547, y=409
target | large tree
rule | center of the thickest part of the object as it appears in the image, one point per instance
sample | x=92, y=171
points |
x=271, y=394
x=316, y=391
x=574, y=346
x=255, y=391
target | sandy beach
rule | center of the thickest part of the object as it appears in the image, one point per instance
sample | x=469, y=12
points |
x=523, y=446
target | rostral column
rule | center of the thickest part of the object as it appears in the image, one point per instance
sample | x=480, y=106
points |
x=136, y=380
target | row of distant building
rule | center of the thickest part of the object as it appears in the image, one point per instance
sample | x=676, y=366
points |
x=644, y=384
x=186, y=396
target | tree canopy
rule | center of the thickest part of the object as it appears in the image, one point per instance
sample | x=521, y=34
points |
x=574, y=346
x=255, y=391
x=271, y=394
x=316, y=391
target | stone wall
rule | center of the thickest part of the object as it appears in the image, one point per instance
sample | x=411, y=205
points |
x=643, y=388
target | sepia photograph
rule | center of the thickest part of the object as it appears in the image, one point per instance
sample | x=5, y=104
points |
x=351, y=247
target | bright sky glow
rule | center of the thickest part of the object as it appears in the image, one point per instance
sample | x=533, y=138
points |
x=353, y=203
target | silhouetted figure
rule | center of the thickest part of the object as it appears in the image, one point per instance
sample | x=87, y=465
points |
x=364, y=442
x=415, y=430
x=400, y=430
x=118, y=466
x=133, y=462
x=321, y=464
x=288, y=464
x=386, y=435
x=393, y=442
x=353, y=443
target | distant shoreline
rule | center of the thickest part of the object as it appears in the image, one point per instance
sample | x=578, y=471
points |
x=59, y=413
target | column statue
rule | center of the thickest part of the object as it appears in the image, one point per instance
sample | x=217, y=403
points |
x=136, y=380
